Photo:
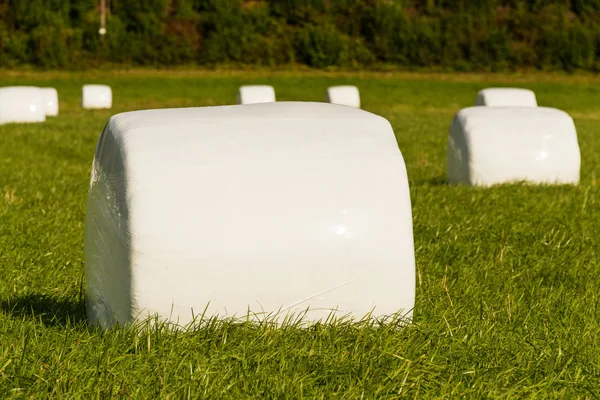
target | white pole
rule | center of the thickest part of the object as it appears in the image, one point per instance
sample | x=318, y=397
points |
x=102, y=30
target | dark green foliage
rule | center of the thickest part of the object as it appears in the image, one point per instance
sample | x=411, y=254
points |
x=451, y=34
x=320, y=46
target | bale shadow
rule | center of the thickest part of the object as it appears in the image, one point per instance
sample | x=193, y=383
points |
x=440, y=180
x=49, y=310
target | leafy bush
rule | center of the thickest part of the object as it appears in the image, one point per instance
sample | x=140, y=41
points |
x=319, y=46
x=456, y=34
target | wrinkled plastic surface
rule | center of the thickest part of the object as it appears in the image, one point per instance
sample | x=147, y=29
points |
x=51, y=97
x=254, y=94
x=344, y=95
x=506, y=97
x=269, y=208
x=96, y=97
x=488, y=145
x=22, y=104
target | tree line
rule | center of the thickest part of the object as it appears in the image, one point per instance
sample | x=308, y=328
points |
x=462, y=35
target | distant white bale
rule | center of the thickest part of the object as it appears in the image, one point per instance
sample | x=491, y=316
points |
x=268, y=208
x=506, y=97
x=253, y=94
x=489, y=145
x=344, y=95
x=96, y=96
x=22, y=104
x=51, y=96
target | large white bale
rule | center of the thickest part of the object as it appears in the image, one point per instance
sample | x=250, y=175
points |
x=270, y=209
x=506, y=97
x=490, y=145
x=253, y=94
x=344, y=95
x=51, y=96
x=22, y=104
x=96, y=96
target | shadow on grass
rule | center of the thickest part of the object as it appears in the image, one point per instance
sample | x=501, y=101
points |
x=48, y=310
x=441, y=180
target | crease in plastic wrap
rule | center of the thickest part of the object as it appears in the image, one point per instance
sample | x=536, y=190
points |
x=506, y=97
x=269, y=211
x=494, y=145
x=344, y=95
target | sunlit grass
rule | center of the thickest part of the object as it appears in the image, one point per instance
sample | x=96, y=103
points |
x=507, y=278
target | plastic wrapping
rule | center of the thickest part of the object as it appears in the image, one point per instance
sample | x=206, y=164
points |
x=254, y=94
x=22, y=104
x=488, y=146
x=344, y=95
x=96, y=97
x=51, y=96
x=506, y=97
x=281, y=209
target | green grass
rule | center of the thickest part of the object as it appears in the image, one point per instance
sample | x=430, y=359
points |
x=507, y=278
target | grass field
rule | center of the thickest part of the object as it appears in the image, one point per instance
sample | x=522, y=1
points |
x=507, y=278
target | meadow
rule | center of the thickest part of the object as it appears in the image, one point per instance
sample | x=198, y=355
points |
x=507, y=299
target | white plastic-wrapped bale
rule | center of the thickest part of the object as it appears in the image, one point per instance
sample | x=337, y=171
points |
x=96, y=97
x=344, y=95
x=51, y=96
x=253, y=94
x=506, y=97
x=488, y=146
x=280, y=209
x=22, y=104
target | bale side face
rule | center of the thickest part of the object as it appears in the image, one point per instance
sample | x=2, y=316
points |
x=51, y=96
x=108, y=236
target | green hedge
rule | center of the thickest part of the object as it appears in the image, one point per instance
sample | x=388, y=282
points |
x=452, y=34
